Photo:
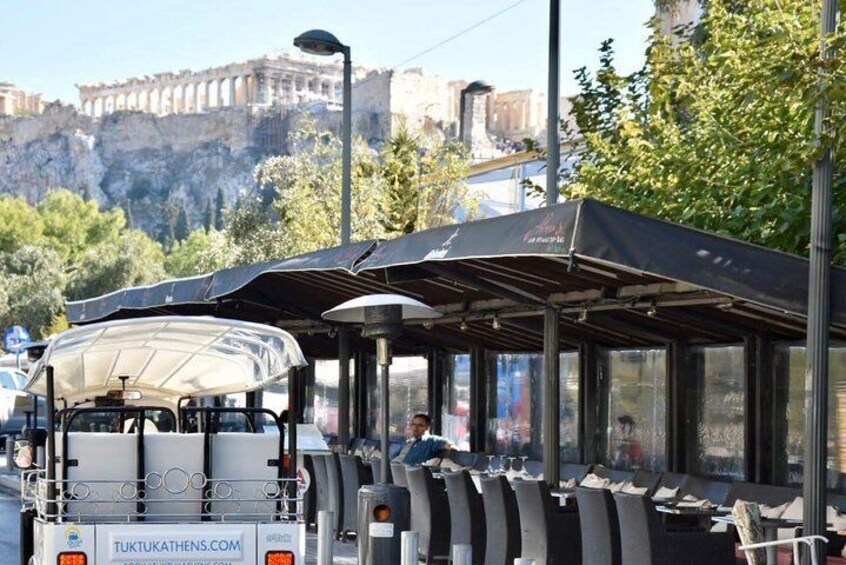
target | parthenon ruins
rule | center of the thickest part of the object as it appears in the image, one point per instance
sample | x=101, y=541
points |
x=265, y=81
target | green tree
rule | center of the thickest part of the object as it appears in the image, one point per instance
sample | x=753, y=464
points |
x=20, y=224
x=716, y=131
x=33, y=284
x=208, y=216
x=412, y=184
x=132, y=259
x=308, y=192
x=71, y=225
x=182, y=228
x=203, y=251
x=219, y=205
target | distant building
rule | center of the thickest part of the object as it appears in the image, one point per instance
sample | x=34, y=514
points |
x=17, y=102
x=682, y=13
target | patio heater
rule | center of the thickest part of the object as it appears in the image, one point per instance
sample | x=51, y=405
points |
x=384, y=508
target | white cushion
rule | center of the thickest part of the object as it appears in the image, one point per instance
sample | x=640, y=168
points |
x=177, y=461
x=665, y=492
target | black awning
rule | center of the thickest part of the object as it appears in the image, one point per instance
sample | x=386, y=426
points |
x=163, y=295
x=343, y=258
x=199, y=295
x=603, y=234
x=618, y=279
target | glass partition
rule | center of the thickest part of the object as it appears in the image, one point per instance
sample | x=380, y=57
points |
x=790, y=374
x=455, y=414
x=720, y=376
x=637, y=409
x=516, y=420
x=408, y=392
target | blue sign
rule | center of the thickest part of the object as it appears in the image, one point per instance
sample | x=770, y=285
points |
x=15, y=339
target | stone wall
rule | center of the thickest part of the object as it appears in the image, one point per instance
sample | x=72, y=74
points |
x=133, y=160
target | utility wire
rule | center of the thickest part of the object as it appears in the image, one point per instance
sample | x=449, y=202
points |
x=444, y=42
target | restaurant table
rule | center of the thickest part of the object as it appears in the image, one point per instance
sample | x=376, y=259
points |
x=703, y=515
x=771, y=526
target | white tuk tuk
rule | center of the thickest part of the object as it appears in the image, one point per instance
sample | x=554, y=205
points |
x=141, y=470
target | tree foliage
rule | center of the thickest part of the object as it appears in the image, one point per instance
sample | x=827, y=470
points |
x=66, y=248
x=717, y=131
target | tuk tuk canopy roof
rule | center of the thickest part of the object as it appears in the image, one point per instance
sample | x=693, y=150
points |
x=166, y=358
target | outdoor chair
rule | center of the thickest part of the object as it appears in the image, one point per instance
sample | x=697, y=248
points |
x=502, y=520
x=599, y=526
x=463, y=458
x=335, y=490
x=702, y=488
x=398, y=473
x=429, y=513
x=644, y=540
x=310, y=495
x=574, y=471
x=747, y=518
x=321, y=482
x=613, y=475
x=353, y=477
x=466, y=514
x=672, y=481
x=357, y=445
x=647, y=479
x=770, y=495
x=549, y=534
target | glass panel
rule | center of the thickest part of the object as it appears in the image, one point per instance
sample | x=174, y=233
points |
x=408, y=392
x=519, y=380
x=569, y=407
x=326, y=396
x=637, y=411
x=516, y=427
x=790, y=363
x=455, y=415
x=719, y=372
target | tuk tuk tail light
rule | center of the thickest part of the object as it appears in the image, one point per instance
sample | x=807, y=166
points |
x=279, y=558
x=72, y=558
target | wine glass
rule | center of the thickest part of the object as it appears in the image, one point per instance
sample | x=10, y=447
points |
x=523, y=471
x=491, y=470
x=511, y=464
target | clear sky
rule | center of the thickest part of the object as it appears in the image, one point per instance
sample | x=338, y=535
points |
x=49, y=45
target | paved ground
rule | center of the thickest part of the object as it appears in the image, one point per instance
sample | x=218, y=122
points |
x=9, y=526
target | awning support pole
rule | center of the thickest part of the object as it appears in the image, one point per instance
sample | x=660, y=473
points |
x=551, y=396
x=343, y=389
x=819, y=313
x=51, y=444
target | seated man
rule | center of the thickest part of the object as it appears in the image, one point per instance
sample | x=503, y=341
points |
x=422, y=445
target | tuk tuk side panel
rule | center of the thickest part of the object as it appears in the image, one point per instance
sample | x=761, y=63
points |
x=51, y=540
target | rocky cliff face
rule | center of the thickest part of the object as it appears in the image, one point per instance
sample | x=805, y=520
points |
x=147, y=165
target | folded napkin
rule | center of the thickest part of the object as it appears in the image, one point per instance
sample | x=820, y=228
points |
x=691, y=501
x=665, y=492
x=594, y=481
x=567, y=484
x=616, y=487
x=629, y=488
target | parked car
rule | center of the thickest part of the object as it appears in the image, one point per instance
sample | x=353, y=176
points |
x=14, y=404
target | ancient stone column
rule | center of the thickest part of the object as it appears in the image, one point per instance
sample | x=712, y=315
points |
x=198, y=104
x=233, y=96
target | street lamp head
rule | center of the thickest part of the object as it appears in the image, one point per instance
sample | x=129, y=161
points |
x=477, y=87
x=319, y=42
